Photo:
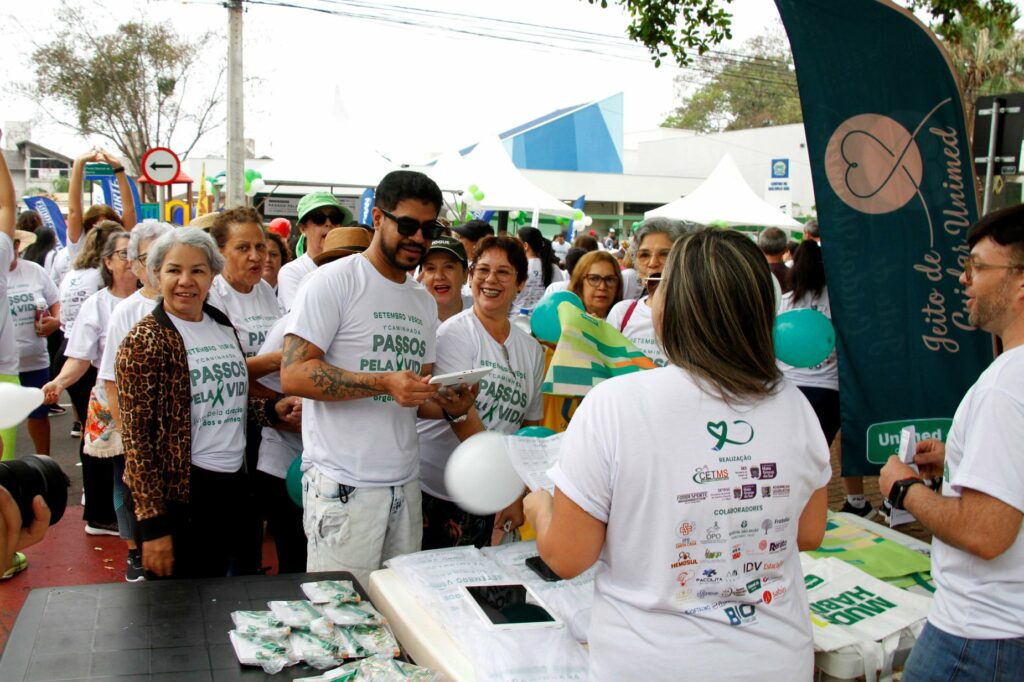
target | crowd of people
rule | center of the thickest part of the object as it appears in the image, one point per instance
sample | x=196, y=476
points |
x=207, y=363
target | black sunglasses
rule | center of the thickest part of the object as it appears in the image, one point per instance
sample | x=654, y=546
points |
x=320, y=218
x=407, y=226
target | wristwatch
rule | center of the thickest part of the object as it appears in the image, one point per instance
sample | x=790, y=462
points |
x=898, y=492
x=454, y=420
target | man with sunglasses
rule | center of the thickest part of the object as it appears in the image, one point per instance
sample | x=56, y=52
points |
x=359, y=346
x=319, y=213
x=975, y=629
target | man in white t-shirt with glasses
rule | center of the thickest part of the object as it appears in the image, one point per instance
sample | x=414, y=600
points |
x=975, y=629
x=359, y=349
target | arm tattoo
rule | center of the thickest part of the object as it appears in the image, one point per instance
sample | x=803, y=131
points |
x=294, y=350
x=337, y=383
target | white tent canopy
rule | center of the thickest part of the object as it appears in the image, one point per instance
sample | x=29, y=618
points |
x=727, y=198
x=490, y=168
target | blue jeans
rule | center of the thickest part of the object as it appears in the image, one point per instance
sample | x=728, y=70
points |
x=939, y=656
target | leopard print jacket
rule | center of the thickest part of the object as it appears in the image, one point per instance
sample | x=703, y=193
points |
x=155, y=400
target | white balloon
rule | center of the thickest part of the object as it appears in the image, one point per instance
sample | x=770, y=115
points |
x=479, y=475
x=587, y=221
x=16, y=402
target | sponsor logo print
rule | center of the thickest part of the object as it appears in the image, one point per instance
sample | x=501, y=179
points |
x=705, y=474
x=779, y=546
x=737, y=552
x=767, y=597
x=780, y=490
x=685, y=528
x=690, y=498
x=708, y=554
x=741, y=614
x=745, y=492
x=766, y=491
x=767, y=525
x=754, y=585
x=765, y=472
x=713, y=533
x=684, y=560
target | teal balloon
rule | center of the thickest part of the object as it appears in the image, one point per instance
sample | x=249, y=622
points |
x=535, y=432
x=804, y=337
x=544, y=322
x=293, y=481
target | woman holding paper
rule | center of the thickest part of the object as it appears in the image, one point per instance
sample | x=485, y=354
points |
x=695, y=520
x=509, y=396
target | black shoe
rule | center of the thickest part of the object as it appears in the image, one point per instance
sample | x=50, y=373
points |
x=134, y=572
x=57, y=410
x=76, y=430
x=867, y=511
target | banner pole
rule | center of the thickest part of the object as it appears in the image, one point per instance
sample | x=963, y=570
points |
x=993, y=129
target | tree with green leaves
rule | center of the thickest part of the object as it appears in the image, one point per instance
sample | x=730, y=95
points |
x=753, y=88
x=133, y=86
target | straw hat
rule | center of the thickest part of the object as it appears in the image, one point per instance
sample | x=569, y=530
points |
x=343, y=241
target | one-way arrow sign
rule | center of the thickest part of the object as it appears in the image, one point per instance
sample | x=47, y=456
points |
x=160, y=166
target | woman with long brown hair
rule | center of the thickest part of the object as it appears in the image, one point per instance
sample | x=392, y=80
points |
x=693, y=486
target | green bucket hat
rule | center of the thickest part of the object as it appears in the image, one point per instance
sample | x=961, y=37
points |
x=315, y=200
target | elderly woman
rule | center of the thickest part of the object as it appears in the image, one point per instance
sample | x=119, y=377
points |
x=596, y=280
x=509, y=396
x=183, y=390
x=84, y=350
x=651, y=245
x=666, y=510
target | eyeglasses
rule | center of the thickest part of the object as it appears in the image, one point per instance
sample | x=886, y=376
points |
x=142, y=258
x=122, y=254
x=502, y=274
x=407, y=226
x=971, y=265
x=320, y=218
x=597, y=280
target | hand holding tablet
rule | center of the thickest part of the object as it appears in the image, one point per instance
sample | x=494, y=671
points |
x=466, y=376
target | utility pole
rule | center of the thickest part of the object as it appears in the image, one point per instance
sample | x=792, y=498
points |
x=236, y=128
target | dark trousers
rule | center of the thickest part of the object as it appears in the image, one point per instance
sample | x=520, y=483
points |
x=205, y=532
x=97, y=472
x=825, y=403
x=284, y=522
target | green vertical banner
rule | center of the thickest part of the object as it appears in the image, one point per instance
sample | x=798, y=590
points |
x=894, y=186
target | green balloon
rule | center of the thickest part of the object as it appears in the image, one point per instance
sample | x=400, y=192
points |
x=479, y=196
x=577, y=215
x=473, y=189
x=293, y=481
x=250, y=175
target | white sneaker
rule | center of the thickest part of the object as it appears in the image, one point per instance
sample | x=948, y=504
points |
x=101, y=529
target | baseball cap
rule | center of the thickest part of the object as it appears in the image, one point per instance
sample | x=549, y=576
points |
x=450, y=245
x=315, y=200
x=474, y=229
x=343, y=241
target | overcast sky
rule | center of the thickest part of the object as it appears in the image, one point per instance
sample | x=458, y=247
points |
x=405, y=90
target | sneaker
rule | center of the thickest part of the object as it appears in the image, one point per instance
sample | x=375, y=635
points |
x=57, y=410
x=867, y=511
x=101, y=528
x=134, y=572
x=18, y=564
x=76, y=430
x=885, y=511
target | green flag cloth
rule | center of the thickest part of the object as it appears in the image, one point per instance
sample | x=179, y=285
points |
x=589, y=351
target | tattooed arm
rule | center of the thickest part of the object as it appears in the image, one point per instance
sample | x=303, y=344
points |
x=304, y=372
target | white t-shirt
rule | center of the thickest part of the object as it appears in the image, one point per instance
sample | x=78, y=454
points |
x=60, y=265
x=371, y=325
x=508, y=395
x=26, y=283
x=702, y=502
x=639, y=329
x=89, y=336
x=826, y=373
x=251, y=314
x=631, y=285
x=8, y=343
x=76, y=286
x=124, y=316
x=277, y=448
x=560, y=285
x=975, y=598
x=290, y=276
x=220, y=393
x=534, y=288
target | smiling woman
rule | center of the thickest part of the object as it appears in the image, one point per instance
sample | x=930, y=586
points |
x=183, y=391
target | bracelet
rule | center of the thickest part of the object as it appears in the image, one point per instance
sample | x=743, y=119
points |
x=119, y=169
x=454, y=420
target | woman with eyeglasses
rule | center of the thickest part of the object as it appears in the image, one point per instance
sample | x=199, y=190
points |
x=84, y=351
x=509, y=397
x=696, y=520
x=597, y=280
x=652, y=243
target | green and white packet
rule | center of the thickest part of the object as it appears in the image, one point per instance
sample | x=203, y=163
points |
x=319, y=652
x=262, y=624
x=375, y=669
x=295, y=614
x=370, y=640
x=271, y=655
x=362, y=613
x=331, y=592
